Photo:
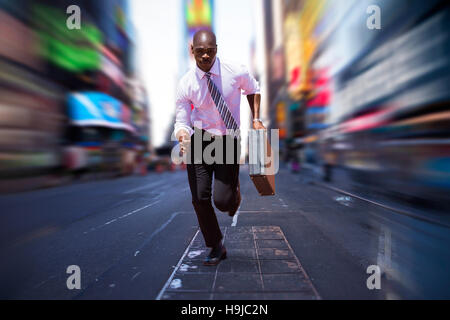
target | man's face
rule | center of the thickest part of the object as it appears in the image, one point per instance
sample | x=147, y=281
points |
x=204, y=51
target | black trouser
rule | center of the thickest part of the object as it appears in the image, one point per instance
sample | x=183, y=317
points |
x=226, y=179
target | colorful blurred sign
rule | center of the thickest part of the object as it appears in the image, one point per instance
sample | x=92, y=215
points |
x=293, y=50
x=301, y=45
x=113, y=71
x=315, y=118
x=198, y=14
x=72, y=50
x=98, y=109
x=281, y=119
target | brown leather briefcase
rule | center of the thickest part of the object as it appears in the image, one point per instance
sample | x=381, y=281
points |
x=261, y=163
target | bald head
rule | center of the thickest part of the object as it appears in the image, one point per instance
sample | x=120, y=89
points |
x=204, y=38
x=204, y=49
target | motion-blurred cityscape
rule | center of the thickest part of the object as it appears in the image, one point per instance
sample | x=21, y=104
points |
x=372, y=102
x=359, y=107
x=71, y=103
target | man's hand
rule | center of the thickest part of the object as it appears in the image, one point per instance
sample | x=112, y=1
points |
x=183, y=138
x=258, y=125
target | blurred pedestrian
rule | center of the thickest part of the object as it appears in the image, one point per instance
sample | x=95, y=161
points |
x=214, y=88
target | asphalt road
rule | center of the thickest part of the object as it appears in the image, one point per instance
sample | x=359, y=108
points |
x=127, y=235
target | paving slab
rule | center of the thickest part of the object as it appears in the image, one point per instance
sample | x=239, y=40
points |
x=260, y=265
x=279, y=266
x=239, y=266
x=238, y=282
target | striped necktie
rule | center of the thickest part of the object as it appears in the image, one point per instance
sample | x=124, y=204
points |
x=221, y=105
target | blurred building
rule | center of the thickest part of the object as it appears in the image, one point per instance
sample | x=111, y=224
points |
x=390, y=96
x=71, y=100
x=288, y=52
x=31, y=104
x=374, y=102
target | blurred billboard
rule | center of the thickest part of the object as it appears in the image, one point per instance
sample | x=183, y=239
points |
x=70, y=99
x=373, y=102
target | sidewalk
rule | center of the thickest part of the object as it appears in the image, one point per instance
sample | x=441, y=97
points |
x=261, y=265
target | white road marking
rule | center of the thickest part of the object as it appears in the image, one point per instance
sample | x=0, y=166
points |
x=195, y=253
x=111, y=221
x=164, y=180
x=151, y=185
x=160, y=195
x=124, y=216
x=175, y=284
x=186, y=267
x=344, y=200
x=43, y=282
x=135, y=276
x=140, y=209
x=149, y=239
x=283, y=204
x=158, y=297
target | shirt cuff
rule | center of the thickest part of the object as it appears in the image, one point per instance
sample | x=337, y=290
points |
x=251, y=92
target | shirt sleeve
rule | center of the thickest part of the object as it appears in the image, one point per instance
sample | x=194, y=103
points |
x=249, y=85
x=183, y=111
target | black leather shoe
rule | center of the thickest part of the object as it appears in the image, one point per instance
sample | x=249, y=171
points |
x=215, y=256
x=235, y=208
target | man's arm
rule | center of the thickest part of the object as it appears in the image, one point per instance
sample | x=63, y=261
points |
x=254, y=101
x=183, y=130
x=251, y=89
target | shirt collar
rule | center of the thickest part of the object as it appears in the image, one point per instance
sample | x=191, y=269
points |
x=214, y=69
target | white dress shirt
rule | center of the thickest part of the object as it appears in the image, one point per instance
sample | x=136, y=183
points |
x=230, y=79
